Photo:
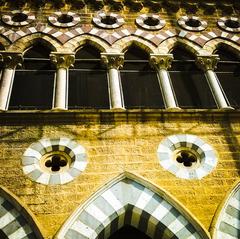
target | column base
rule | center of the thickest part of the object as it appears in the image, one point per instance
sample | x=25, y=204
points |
x=59, y=109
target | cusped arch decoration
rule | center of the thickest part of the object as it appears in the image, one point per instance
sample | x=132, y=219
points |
x=213, y=44
x=126, y=42
x=77, y=42
x=130, y=200
x=25, y=42
x=225, y=223
x=16, y=221
x=170, y=43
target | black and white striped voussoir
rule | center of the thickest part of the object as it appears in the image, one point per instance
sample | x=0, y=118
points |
x=31, y=160
x=128, y=202
x=8, y=18
x=140, y=21
x=222, y=24
x=53, y=19
x=182, y=22
x=227, y=225
x=205, y=154
x=97, y=19
x=12, y=224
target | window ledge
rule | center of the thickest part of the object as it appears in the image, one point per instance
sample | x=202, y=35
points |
x=108, y=116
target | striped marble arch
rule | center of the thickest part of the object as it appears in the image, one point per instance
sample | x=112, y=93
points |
x=130, y=200
x=226, y=224
x=15, y=221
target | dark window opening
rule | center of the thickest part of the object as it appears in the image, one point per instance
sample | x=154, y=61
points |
x=65, y=18
x=139, y=81
x=150, y=21
x=33, y=83
x=128, y=232
x=193, y=23
x=232, y=24
x=88, y=84
x=3, y=235
x=19, y=17
x=109, y=20
x=189, y=83
x=228, y=73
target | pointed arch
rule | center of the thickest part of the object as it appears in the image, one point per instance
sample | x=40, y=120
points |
x=130, y=200
x=226, y=223
x=80, y=41
x=213, y=44
x=172, y=42
x=124, y=43
x=16, y=221
x=26, y=42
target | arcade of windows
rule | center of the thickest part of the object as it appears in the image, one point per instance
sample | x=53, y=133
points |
x=90, y=79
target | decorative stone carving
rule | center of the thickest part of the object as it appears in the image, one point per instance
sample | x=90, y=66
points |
x=11, y=59
x=62, y=60
x=161, y=61
x=206, y=63
x=112, y=60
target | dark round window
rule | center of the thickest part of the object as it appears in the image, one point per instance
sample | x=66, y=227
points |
x=150, y=21
x=65, y=18
x=186, y=158
x=109, y=20
x=193, y=23
x=55, y=163
x=19, y=17
x=232, y=24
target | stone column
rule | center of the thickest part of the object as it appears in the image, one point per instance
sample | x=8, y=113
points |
x=114, y=62
x=162, y=62
x=208, y=63
x=10, y=61
x=62, y=62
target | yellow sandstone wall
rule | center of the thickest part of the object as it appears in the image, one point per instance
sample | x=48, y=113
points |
x=118, y=143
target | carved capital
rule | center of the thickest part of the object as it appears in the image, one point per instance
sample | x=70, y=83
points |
x=112, y=60
x=206, y=63
x=62, y=60
x=161, y=61
x=11, y=59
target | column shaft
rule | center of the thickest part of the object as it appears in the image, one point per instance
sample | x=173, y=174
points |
x=216, y=89
x=6, y=87
x=166, y=88
x=61, y=89
x=115, y=89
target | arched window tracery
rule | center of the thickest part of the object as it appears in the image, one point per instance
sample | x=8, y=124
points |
x=34, y=82
x=189, y=82
x=139, y=81
x=228, y=73
x=88, y=85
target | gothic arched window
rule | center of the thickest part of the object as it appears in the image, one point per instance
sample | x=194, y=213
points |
x=189, y=83
x=33, y=83
x=228, y=72
x=88, y=85
x=139, y=81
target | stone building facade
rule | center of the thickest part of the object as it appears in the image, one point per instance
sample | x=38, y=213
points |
x=119, y=119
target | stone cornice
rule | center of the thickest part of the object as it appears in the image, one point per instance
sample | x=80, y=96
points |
x=111, y=116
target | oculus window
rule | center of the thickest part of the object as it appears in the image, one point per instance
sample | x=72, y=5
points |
x=88, y=84
x=228, y=73
x=33, y=83
x=189, y=83
x=139, y=81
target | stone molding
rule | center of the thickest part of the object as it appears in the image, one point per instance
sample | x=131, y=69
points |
x=206, y=63
x=205, y=155
x=112, y=60
x=35, y=153
x=161, y=61
x=11, y=59
x=62, y=60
